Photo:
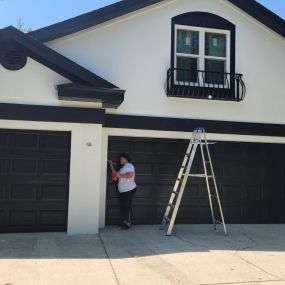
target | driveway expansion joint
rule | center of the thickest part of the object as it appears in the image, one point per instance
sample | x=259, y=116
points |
x=110, y=262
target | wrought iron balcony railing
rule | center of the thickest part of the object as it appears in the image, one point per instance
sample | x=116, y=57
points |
x=204, y=85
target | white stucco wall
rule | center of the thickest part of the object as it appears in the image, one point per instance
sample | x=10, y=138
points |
x=85, y=172
x=34, y=84
x=134, y=53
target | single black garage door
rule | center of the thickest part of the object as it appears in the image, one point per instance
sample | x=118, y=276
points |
x=34, y=175
x=250, y=178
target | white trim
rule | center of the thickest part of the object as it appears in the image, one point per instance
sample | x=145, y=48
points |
x=201, y=56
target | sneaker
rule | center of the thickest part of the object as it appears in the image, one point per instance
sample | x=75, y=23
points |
x=125, y=226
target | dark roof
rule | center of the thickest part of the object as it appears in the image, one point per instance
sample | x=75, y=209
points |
x=90, y=19
x=262, y=14
x=124, y=7
x=91, y=86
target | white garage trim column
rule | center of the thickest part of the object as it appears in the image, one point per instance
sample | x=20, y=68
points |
x=103, y=190
x=85, y=172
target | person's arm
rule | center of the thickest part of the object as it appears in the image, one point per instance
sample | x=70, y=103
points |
x=111, y=163
x=128, y=175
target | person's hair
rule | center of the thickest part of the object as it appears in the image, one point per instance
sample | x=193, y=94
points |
x=126, y=156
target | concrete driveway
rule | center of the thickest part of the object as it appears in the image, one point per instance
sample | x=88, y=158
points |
x=251, y=254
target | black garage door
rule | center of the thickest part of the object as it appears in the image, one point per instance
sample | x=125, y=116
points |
x=34, y=175
x=250, y=178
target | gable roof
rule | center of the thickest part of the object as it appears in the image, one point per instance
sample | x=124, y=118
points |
x=52, y=59
x=121, y=8
x=80, y=76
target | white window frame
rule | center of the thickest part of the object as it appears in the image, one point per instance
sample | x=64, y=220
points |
x=201, y=56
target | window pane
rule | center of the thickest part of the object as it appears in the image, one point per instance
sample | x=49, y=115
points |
x=187, y=42
x=187, y=69
x=215, y=44
x=215, y=70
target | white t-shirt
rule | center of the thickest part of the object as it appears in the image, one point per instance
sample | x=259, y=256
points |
x=127, y=184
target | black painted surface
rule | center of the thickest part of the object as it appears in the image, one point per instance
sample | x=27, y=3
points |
x=184, y=125
x=51, y=113
x=109, y=97
x=34, y=177
x=250, y=178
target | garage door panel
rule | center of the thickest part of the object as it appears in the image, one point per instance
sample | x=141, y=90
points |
x=253, y=193
x=25, y=140
x=255, y=214
x=144, y=168
x=119, y=146
x=50, y=218
x=4, y=139
x=170, y=147
x=58, y=142
x=20, y=192
x=2, y=191
x=252, y=169
x=143, y=213
x=145, y=147
x=34, y=174
x=2, y=218
x=234, y=214
x=200, y=214
x=3, y=167
x=273, y=192
x=22, y=218
x=145, y=192
x=250, y=178
x=232, y=169
x=275, y=212
x=26, y=166
x=53, y=192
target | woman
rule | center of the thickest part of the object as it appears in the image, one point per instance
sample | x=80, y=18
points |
x=126, y=186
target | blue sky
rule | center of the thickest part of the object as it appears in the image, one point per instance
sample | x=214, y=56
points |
x=40, y=13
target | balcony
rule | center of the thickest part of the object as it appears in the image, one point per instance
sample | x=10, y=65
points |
x=208, y=85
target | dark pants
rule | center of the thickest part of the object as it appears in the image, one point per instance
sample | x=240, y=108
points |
x=126, y=199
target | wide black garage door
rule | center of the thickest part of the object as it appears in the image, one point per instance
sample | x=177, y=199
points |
x=250, y=178
x=34, y=175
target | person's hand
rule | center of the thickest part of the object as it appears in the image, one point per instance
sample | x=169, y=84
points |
x=118, y=175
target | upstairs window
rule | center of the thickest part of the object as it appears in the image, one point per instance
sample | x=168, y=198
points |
x=201, y=49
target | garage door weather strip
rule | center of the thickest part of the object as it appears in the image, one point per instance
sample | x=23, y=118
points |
x=198, y=138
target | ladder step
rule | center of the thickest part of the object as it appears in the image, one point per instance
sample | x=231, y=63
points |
x=171, y=205
x=218, y=222
x=175, y=192
x=200, y=175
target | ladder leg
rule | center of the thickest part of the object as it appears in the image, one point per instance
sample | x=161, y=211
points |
x=216, y=188
x=183, y=185
x=179, y=179
x=177, y=183
x=208, y=187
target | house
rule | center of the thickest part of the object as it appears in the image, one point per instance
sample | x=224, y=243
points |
x=138, y=76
